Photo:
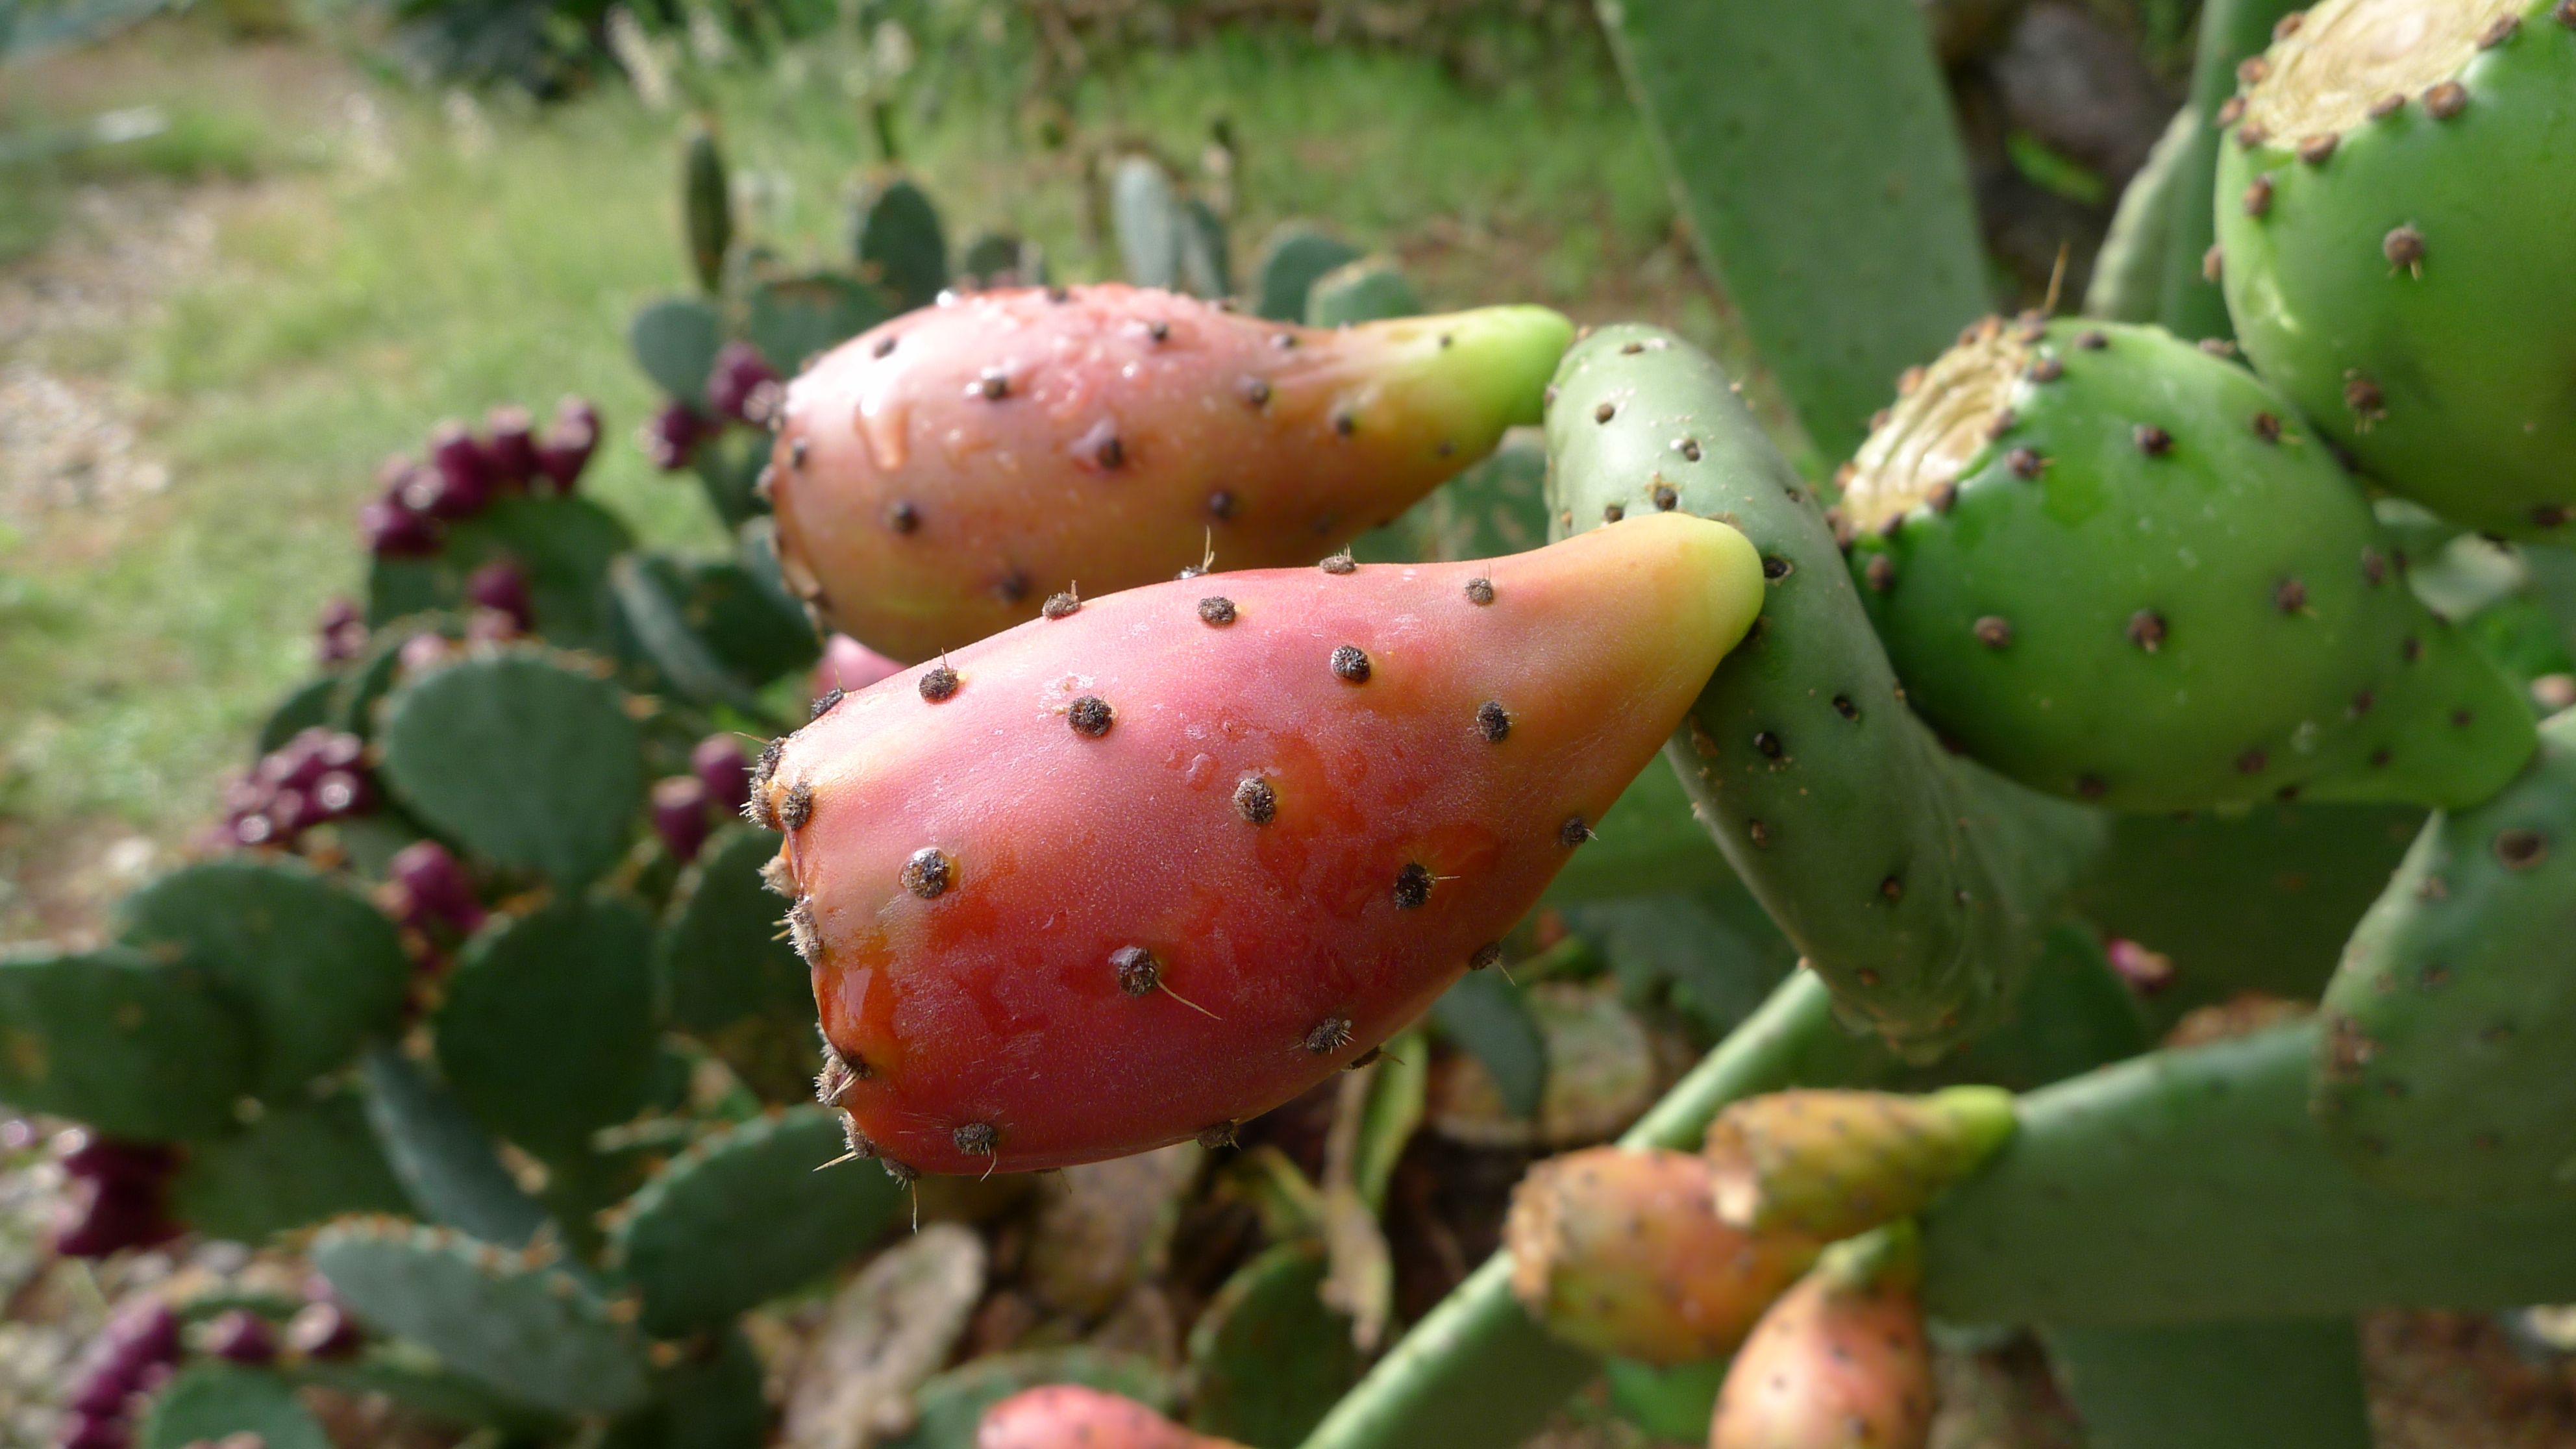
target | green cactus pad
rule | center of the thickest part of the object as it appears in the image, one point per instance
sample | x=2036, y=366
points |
x=421, y=1385
x=2192, y=1186
x=2403, y=275
x=547, y=1031
x=125, y=1043
x=441, y=1156
x=1294, y=256
x=1368, y=290
x=997, y=258
x=314, y=966
x=709, y=625
x=2129, y=271
x=209, y=1401
x=2294, y=1385
x=710, y=1399
x=2230, y=32
x=1918, y=886
x=896, y=238
x=731, y=977
x=1165, y=239
x=356, y=693
x=761, y=1190
x=1491, y=1019
x=2073, y=1014
x=307, y=705
x=533, y=1332
x=794, y=319
x=706, y=205
x=2200, y=608
x=1845, y=233
x=675, y=342
x=951, y=1406
x=2444, y=1071
x=1268, y=1357
x=523, y=759
x=298, y=1165
x=562, y=544
x=2259, y=900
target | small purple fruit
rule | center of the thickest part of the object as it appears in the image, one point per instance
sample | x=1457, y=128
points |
x=85, y=1154
x=109, y=1215
x=146, y=1333
x=424, y=651
x=321, y=1330
x=671, y=438
x=340, y=794
x=510, y=447
x=502, y=585
x=254, y=829
x=721, y=766
x=463, y=481
x=395, y=531
x=100, y=1392
x=742, y=385
x=296, y=764
x=95, y=1431
x=680, y=815
x=566, y=448
x=434, y=886
x=341, y=633
x=241, y=1337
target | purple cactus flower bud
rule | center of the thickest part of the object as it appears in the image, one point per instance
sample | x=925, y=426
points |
x=671, y=438
x=254, y=829
x=742, y=385
x=247, y=796
x=321, y=1330
x=435, y=884
x=241, y=1337
x=680, y=815
x=394, y=531
x=2147, y=972
x=340, y=638
x=567, y=445
x=424, y=651
x=100, y=1391
x=95, y=1431
x=721, y=766
x=85, y=1154
x=17, y=1134
x=145, y=1333
x=340, y=794
x=294, y=812
x=502, y=585
x=395, y=473
x=510, y=446
x=342, y=751
x=463, y=484
x=849, y=666
x=297, y=763
x=107, y=1216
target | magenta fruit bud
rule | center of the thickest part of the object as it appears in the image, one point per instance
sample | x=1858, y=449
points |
x=100, y=1392
x=145, y=1334
x=742, y=386
x=721, y=766
x=671, y=438
x=424, y=651
x=340, y=634
x=241, y=1337
x=567, y=445
x=501, y=585
x=510, y=447
x=680, y=815
x=94, y=1431
x=85, y=1154
x=461, y=483
x=395, y=531
x=340, y=794
x=321, y=1330
x=109, y=1215
x=435, y=885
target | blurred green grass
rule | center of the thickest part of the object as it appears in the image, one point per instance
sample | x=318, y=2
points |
x=385, y=258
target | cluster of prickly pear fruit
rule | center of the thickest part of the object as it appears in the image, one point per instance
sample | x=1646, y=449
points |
x=460, y=474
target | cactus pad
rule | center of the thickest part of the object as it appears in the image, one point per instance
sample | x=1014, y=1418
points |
x=314, y=966
x=794, y=319
x=521, y=758
x=729, y=972
x=675, y=341
x=2444, y=1071
x=1291, y=260
x=441, y=1156
x=761, y=1190
x=952, y=1405
x=2293, y=1385
x=899, y=246
x=1830, y=1164
x=1268, y=1357
x=562, y=544
x=298, y=1165
x=547, y=1031
x=1369, y=290
x=2199, y=608
x=209, y=1401
x=534, y=1332
x=120, y=1041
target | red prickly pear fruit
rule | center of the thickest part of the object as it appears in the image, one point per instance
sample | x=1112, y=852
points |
x=462, y=484
x=1112, y=879
x=393, y=530
x=671, y=437
x=848, y=666
x=742, y=385
x=721, y=766
x=936, y=478
x=1838, y=1363
x=568, y=443
x=503, y=586
x=432, y=887
x=1836, y=1163
x=1069, y=1416
x=1621, y=1250
x=321, y=1330
x=680, y=815
x=238, y=1336
x=509, y=447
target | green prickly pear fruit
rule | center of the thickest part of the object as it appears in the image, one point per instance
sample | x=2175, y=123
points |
x=2117, y=568
x=1070, y=1416
x=1834, y=1163
x=2397, y=239
x=708, y=203
x=2443, y=1071
x=1841, y=1362
x=939, y=478
x=1127, y=875
x=1621, y=1250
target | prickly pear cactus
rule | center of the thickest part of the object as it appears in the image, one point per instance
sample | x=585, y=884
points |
x=2442, y=1072
x=1919, y=887
x=2396, y=222
x=2121, y=570
x=1118, y=435
x=1378, y=769
x=1834, y=1164
x=1842, y=1361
